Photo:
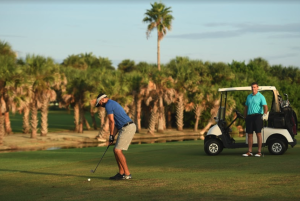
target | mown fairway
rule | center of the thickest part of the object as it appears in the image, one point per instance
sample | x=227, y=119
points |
x=167, y=171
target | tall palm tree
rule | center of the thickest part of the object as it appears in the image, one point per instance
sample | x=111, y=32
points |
x=158, y=17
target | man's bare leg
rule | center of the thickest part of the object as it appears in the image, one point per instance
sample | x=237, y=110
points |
x=250, y=142
x=259, y=142
x=121, y=170
x=121, y=160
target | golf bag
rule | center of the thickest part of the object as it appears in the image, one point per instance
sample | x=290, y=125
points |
x=286, y=118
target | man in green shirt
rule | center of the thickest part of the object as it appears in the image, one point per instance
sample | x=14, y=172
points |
x=255, y=108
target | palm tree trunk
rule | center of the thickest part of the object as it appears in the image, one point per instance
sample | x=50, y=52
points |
x=138, y=114
x=133, y=110
x=169, y=119
x=44, y=118
x=161, y=116
x=81, y=119
x=179, y=113
x=8, y=129
x=208, y=125
x=164, y=119
x=2, y=129
x=26, y=124
x=34, y=119
x=76, y=116
x=2, y=111
x=213, y=112
x=158, y=51
x=106, y=127
x=93, y=120
x=88, y=127
x=104, y=131
x=197, y=117
x=198, y=111
x=101, y=113
x=153, y=119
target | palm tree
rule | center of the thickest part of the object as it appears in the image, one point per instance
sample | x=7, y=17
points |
x=158, y=17
x=6, y=50
x=74, y=94
x=10, y=78
x=45, y=75
x=114, y=84
x=161, y=84
x=75, y=61
x=26, y=92
x=85, y=72
x=222, y=76
x=139, y=89
x=182, y=73
x=102, y=63
x=126, y=66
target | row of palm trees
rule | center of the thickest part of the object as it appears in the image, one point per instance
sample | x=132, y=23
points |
x=148, y=94
x=30, y=84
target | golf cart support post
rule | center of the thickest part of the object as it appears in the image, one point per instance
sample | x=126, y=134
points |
x=218, y=136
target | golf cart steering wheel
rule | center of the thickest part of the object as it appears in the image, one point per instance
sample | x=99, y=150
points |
x=239, y=114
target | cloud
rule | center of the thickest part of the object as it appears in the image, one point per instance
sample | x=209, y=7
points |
x=12, y=36
x=233, y=30
x=214, y=34
x=288, y=35
x=282, y=56
x=297, y=48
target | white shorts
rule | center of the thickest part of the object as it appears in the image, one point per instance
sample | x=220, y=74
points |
x=125, y=137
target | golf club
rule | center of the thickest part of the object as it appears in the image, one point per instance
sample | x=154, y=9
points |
x=93, y=171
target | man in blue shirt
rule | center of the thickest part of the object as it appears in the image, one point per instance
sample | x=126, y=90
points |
x=255, y=108
x=119, y=122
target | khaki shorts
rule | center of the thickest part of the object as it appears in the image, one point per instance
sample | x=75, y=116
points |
x=125, y=137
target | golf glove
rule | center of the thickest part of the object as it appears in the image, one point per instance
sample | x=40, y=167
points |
x=265, y=117
x=111, y=138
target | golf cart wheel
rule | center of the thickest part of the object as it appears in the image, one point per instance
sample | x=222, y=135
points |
x=213, y=147
x=277, y=147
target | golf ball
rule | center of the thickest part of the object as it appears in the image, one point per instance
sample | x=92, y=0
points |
x=89, y=179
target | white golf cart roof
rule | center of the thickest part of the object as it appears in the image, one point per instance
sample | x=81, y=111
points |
x=260, y=88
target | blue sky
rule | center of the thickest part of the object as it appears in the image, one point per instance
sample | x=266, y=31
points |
x=216, y=31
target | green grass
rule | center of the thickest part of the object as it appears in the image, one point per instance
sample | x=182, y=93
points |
x=167, y=171
x=58, y=120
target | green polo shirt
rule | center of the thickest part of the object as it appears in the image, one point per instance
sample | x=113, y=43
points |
x=255, y=103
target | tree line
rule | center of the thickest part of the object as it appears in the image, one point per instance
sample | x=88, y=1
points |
x=182, y=94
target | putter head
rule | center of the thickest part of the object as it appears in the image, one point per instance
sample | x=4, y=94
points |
x=92, y=171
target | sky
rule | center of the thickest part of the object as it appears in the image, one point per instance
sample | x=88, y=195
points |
x=215, y=30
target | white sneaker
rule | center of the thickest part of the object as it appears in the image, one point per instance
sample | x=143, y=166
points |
x=127, y=176
x=248, y=154
x=258, y=154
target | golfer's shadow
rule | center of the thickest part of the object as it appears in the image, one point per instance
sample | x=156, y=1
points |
x=54, y=174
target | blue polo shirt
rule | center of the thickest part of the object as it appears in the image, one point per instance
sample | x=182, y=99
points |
x=120, y=116
x=255, y=103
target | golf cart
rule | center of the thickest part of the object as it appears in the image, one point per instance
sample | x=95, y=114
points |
x=282, y=125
